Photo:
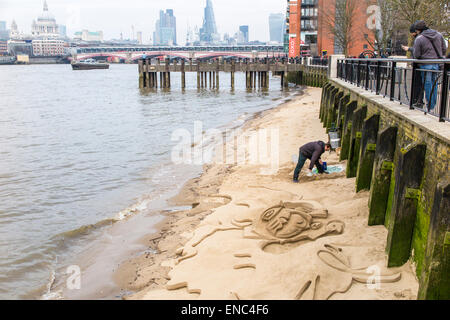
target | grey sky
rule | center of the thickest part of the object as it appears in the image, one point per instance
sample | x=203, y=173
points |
x=113, y=17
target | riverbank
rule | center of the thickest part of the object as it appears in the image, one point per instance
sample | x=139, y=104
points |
x=240, y=242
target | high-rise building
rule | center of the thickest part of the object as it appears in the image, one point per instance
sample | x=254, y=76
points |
x=208, y=33
x=62, y=31
x=165, y=29
x=139, y=37
x=4, y=33
x=276, y=26
x=243, y=34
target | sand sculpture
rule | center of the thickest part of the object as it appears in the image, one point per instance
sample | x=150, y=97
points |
x=235, y=238
x=335, y=263
x=287, y=222
x=291, y=222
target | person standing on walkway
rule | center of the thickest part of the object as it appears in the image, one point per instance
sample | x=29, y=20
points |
x=418, y=84
x=429, y=44
x=312, y=151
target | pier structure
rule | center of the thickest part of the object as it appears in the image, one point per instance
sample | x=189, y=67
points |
x=257, y=72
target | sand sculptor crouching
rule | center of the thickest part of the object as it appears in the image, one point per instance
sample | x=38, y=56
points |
x=312, y=151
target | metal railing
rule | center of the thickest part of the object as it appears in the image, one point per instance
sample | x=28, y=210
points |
x=420, y=84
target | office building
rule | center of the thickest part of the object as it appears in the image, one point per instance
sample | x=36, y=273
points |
x=165, y=29
x=243, y=34
x=276, y=27
x=208, y=33
x=48, y=47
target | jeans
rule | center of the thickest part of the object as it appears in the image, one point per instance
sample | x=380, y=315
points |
x=429, y=79
x=301, y=163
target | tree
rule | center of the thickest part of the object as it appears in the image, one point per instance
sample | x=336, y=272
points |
x=435, y=12
x=394, y=17
x=340, y=22
x=383, y=13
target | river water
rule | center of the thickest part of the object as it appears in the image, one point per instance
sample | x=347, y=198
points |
x=79, y=148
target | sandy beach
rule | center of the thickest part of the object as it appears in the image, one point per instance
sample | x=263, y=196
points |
x=254, y=234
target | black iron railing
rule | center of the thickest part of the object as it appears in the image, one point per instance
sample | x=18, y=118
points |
x=420, y=84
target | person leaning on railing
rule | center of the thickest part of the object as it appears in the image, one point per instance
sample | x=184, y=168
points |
x=428, y=45
x=418, y=84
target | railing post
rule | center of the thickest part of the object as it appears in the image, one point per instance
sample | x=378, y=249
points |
x=367, y=74
x=347, y=64
x=358, y=73
x=378, y=78
x=393, y=67
x=444, y=96
x=413, y=84
x=351, y=71
x=340, y=62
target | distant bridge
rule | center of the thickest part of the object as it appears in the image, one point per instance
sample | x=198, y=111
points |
x=130, y=54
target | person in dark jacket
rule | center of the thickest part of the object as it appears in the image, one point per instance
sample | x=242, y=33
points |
x=312, y=151
x=418, y=91
x=429, y=44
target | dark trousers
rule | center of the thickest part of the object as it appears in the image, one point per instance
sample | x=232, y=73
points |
x=301, y=163
x=418, y=90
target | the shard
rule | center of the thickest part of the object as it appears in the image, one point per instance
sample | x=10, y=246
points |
x=208, y=33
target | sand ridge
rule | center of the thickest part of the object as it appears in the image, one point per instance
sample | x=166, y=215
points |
x=253, y=235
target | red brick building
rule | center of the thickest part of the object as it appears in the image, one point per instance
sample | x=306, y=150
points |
x=308, y=22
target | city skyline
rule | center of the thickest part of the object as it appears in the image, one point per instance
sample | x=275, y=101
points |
x=84, y=14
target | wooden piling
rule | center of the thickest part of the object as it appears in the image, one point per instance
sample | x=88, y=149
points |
x=341, y=110
x=346, y=129
x=141, y=73
x=285, y=76
x=367, y=156
x=408, y=178
x=333, y=110
x=435, y=283
x=381, y=178
x=183, y=75
x=217, y=74
x=355, y=141
x=147, y=73
x=329, y=104
x=233, y=69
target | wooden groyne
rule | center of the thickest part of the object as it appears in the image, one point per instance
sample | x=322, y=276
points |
x=401, y=157
x=257, y=72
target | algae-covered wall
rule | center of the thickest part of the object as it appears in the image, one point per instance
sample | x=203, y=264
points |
x=413, y=128
x=310, y=76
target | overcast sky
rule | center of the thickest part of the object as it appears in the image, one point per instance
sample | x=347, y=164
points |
x=114, y=17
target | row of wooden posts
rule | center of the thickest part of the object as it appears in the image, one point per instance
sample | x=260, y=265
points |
x=257, y=73
x=395, y=185
x=254, y=79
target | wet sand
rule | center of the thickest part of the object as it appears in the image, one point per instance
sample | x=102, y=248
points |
x=253, y=234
